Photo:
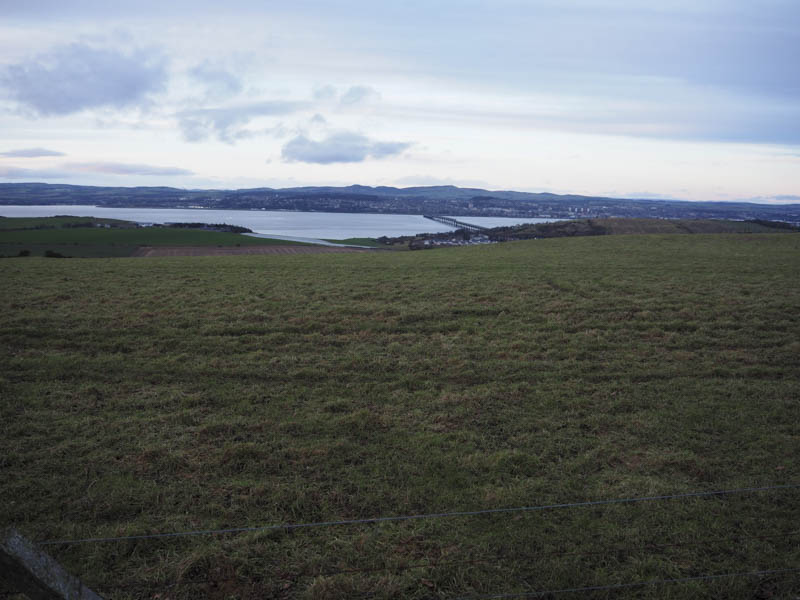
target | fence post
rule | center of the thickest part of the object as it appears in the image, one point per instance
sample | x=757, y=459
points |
x=25, y=569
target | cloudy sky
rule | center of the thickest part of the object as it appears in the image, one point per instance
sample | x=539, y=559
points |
x=692, y=99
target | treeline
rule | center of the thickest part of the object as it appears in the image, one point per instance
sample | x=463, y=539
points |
x=548, y=230
x=211, y=227
x=620, y=226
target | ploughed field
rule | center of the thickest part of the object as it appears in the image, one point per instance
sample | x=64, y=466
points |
x=179, y=394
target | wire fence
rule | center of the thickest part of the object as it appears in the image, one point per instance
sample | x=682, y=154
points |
x=644, y=548
x=584, y=590
x=477, y=561
x=439, y=515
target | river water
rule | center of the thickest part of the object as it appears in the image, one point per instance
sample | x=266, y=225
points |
x=284, y=223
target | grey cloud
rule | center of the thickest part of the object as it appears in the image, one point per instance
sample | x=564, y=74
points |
x=30, y=153
x=103, y=168
x=667, y=111
x=384, y=149
x=325, y=92
x=357, y=94
x=219, y=82
x=227, y=124
x=112, y=168
x=734, y=50
x=32, y=174
x=733, y=43
x=738, y=49
x=344, y=147
x=77, y=76
x=278, y=131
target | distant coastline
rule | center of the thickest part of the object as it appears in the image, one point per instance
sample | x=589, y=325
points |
x=297, y=224
x=356, y=199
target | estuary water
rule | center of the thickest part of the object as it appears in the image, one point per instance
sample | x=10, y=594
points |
x=283, y=223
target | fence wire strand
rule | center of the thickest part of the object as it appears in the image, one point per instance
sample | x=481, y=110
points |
x=480, y=560
x=488, y=511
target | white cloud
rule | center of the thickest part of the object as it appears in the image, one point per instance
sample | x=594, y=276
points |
x=227, y=123
x=604, y=79
x=358, y=94
x=325, y=92
x=219, y=82
x=74, y=77
x=343, y=147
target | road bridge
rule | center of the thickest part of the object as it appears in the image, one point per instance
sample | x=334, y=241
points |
x=457, y=224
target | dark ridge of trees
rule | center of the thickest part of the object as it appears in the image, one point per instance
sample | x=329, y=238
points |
x=548, y=230
x=211, y=227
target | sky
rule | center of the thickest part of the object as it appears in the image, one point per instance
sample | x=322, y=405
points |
x=694, y=100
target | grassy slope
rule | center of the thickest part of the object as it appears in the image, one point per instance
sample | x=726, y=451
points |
x=114, y=242
x=632, y=226
x=620, y=226
x=144, y=236
x=178, y=394
x=363, y=241
x=67, y=250
x=30, y=222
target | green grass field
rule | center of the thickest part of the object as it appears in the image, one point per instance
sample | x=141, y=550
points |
x=174, y=394
x=627, y=226
x=19, y=234
x=34, y=222
x=362, y=241
x=645, y=226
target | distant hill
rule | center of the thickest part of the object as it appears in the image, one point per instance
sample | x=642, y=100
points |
x=431, y=200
